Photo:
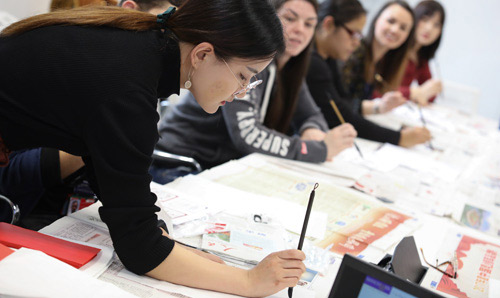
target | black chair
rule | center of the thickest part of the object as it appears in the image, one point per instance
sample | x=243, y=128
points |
x=167, y=160
x=171, y=160
x=16, y=212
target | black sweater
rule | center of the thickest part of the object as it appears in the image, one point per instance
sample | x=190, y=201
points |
x=325, y=83
x=93, y=92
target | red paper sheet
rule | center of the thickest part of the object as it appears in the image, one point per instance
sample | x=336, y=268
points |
x=71, y=253
x=4, y=251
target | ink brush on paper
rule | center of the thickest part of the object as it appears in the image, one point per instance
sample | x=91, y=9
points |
x=304, y=227
x=336, y=109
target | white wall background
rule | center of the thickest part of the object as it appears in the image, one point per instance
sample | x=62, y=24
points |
x=469, y=53
x=24, y=8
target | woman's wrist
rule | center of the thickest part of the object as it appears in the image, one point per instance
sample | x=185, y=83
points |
x=247, y=283
x=376, y=106
x=415, y=94
x=367, y=107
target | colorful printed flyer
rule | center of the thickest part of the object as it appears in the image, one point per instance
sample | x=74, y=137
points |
x=478, y=262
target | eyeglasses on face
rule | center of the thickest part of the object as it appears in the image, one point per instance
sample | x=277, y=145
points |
x=244, y=88
x=452, y=262
x=354, y=34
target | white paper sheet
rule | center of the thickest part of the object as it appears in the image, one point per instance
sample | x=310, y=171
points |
x=30, y=273
x=494, y=289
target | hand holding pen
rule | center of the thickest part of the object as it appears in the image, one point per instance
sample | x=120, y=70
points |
x=342, y=121
x=412, y=141
x=424, y=123
x=304, y=226
x=338, y=139
x=390, y=99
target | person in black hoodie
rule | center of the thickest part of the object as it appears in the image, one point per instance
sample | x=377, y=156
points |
x=338, y=34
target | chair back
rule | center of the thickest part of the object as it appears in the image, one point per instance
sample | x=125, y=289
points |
x=462, y=97
x=13, y=208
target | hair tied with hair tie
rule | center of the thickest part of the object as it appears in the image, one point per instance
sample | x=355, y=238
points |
x=162, y=18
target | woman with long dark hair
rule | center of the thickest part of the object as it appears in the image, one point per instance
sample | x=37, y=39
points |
x=278, y=118
x=87, y=81
x=429, y=18
x=379, y=63
x=338, y=34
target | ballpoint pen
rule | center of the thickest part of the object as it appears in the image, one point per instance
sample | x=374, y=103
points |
x=424, y=122
x=304, y=227
x=381, y=80
x=335, y=108
x=438, y=72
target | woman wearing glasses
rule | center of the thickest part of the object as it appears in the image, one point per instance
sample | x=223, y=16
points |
x=337, y=37
x=379, y=63
x=277, y=118
x=98, y=73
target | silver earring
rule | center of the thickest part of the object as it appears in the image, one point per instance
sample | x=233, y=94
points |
x=188, y=83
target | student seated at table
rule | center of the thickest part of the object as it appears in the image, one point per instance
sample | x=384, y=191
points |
x=429, y=17
x=278, y=117
x=379, y=62
x=40, y=180
x=98, y=73
x=337, y=37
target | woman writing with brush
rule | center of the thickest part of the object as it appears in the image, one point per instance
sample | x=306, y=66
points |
x=98, y=73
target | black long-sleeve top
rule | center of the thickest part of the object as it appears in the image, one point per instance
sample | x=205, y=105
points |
x=93, y=92
x=325, y=83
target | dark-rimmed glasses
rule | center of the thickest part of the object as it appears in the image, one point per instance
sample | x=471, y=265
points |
x=354, y=34
x=453, y=263
x=244, y=88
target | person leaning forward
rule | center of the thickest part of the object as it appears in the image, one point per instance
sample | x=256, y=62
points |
x=97, y=73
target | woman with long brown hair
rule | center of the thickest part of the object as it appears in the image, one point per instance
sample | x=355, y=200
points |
x=278, y=118
x=87, y=81
x=379, y=63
